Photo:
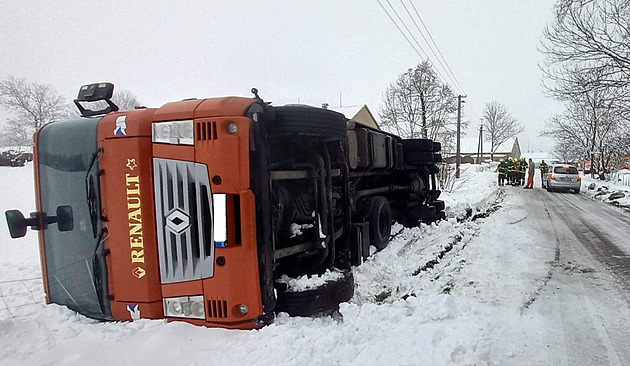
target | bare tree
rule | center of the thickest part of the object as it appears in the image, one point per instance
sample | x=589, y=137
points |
x=32, y=105
x=125, y=100
x=418, y=104
x=588, y=67
x=588, y=36
x=593, y=128
x=500, y=126
x=566, y=152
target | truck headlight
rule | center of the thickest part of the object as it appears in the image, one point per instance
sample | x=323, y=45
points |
x=173, y=132
x=185, y=307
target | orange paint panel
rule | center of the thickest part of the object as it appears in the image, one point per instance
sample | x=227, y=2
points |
x=237, y=281
x=136, y=122
x=189, y=288
x=225, y=154
x=38, y=205
x=129, y=206
x=219, y=107
x=177, y=152
x=150, y=310
x=177, y=110
x=234, y=283
x=245, y=325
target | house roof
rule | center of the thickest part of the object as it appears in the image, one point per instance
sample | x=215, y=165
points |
x=348, y=111
x=358, y=113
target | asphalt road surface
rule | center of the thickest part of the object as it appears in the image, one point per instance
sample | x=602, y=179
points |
x=587, y=295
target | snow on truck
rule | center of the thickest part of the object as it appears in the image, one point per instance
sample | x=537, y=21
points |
x=201, y=209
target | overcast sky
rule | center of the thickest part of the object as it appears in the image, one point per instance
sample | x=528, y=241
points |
x=306, y=51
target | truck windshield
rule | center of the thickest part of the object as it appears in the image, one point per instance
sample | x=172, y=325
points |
x=75, y=265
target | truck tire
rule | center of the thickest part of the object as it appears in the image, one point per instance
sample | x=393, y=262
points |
x=437, y=147
x=437, y=158
x=380, y=220
x=323, y=300
x=417, y=145
x=439, y=205
x=421, y=213
x=418, y=158
x=302, y=120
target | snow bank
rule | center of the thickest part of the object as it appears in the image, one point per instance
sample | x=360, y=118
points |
x=309, y=282
x=446, y=293
x=476, y=187
x=613, y=192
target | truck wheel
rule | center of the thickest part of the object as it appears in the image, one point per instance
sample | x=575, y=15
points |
x=424, y=145
x=323, y=300
x=302, y=120
x=380, y=220
x=418, y=158
x=439, y=205
x=437, y=146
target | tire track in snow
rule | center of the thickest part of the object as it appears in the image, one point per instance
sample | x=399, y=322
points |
x=393, y=285
x=543, y=281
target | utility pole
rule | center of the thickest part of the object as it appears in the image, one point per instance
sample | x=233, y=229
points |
x=480, y=145
x=459, y=127
x=481, y=139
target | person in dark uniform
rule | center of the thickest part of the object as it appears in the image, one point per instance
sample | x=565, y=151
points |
x=544, y=169
x=503, y=171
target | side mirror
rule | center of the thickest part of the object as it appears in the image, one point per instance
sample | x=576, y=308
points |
x=39, y=221
x=16, y=223
x=65, y=219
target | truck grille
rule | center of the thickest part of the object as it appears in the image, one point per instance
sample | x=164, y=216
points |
x=206, y=131
x=217, y=309
x=184, y=223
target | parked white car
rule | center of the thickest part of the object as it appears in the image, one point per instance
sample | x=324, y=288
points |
x=562, y=177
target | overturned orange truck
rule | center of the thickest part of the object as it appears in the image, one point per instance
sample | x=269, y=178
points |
x=195, y=211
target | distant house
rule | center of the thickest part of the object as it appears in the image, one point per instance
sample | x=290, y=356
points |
x=468, y=152
x=357, y=113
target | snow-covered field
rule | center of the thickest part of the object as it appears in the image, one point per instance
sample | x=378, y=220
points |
x=452, y=293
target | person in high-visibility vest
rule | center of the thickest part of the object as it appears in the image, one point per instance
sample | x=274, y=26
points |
x=544, y=169
x=512, y=170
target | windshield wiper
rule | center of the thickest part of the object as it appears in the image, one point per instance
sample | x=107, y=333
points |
x=97, y=272
x=92, y=197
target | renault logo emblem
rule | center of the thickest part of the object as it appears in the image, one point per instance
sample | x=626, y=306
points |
x=177, y=221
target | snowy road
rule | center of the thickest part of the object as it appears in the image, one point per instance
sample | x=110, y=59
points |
x=586, y=297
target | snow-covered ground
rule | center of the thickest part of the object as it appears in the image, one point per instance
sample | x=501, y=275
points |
x=451, y=293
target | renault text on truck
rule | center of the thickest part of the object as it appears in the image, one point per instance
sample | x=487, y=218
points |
x=196, y=210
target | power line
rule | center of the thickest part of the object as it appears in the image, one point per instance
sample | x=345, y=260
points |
x=426, y=56
x=435, y=44
x=407, y=28
x=453, y=79
x=428, y=44
x=400, y=30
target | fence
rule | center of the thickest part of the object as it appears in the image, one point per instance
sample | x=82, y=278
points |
x=21, y=298
x=621, y=177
